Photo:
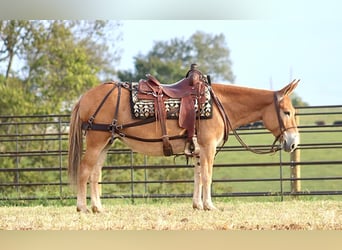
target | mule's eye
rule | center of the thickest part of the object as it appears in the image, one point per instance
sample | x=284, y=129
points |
x=287, y=113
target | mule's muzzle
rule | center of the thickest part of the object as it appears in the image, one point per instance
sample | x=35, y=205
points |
x=290, y=141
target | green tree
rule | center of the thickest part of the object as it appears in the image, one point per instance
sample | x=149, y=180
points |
x=297, y=101
x=44, y=67
x=169, y=60
x=14, y=35
x=55, y=62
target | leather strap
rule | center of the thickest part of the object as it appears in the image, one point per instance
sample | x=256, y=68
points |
x=92, y=118
x=167, y=148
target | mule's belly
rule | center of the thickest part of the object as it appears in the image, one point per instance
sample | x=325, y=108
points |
x=154, y=148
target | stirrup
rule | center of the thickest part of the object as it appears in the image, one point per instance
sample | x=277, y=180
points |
x=192, y=148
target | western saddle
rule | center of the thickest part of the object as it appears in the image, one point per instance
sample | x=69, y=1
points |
x=191, y=91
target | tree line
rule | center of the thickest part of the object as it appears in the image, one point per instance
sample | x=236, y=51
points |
x=46, y=65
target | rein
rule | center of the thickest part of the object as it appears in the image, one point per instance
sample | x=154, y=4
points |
x=228, y=125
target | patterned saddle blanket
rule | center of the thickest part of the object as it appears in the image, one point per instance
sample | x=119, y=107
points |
x=144, y=109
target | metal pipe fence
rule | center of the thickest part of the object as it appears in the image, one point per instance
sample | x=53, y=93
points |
x=33, y=163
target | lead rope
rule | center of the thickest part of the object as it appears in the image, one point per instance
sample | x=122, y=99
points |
x=227, y=125
x=273, y=148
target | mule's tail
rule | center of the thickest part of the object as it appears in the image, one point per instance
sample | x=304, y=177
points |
x=75, y=144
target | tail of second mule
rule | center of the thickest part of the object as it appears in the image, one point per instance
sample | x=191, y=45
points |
x=75, y=144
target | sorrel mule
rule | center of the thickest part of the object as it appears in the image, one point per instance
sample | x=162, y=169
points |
x=240, y=106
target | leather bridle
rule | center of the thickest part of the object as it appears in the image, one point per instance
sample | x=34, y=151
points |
x=282, y=127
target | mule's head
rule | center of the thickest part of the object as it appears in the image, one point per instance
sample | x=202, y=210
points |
x=280, y=118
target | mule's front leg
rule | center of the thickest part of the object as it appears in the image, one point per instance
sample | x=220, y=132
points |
x=207, y=202
x=207, y=161
x=197, y=196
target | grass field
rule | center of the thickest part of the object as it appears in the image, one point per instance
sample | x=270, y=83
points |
x=289, y=215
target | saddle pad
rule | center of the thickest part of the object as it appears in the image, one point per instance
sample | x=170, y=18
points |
x=143, y=109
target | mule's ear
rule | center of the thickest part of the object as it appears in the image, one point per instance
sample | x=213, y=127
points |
x=288, y=89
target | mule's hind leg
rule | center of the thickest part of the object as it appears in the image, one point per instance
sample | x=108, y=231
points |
x=95, y=178
x=95, y=145
x=83, y=176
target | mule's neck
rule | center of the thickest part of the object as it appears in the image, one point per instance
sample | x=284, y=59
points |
x=243, y=105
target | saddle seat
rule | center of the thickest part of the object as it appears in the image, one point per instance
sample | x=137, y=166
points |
x=178, y=90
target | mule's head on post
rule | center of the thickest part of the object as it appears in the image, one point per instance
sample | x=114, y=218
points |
x=280, y=118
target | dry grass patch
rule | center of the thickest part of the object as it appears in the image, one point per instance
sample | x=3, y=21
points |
x=289, y=215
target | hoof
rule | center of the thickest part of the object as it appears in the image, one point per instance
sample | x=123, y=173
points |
x=197, y=206
x=96, y=210
x=209, y=207
x=82, y=210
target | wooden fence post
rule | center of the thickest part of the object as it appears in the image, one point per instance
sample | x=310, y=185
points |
x=295, y=168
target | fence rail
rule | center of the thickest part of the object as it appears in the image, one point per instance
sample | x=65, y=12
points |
x=33, y=152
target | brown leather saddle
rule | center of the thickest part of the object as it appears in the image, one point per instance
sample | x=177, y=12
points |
x=190, y=90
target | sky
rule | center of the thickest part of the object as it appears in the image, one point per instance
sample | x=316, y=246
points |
x=271, y=41
x=265, y=54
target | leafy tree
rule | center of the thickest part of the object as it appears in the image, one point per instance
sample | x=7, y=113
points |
x=169, y=60
x=14, y=37
x=44, y=67
x=297, y=101
x=55, y=62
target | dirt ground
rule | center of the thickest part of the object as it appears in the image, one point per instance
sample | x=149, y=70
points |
x=288, y=215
